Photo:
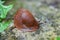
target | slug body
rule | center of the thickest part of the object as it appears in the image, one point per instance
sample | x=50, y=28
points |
x=24, y=21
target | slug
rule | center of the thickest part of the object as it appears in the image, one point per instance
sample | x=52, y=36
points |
x=24, y=21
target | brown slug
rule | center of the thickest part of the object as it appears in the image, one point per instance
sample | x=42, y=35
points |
x=24, y=21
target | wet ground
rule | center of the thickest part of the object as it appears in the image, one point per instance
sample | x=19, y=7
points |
x=47, y=15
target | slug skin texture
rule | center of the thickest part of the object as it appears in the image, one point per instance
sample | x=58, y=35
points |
x=24, y=21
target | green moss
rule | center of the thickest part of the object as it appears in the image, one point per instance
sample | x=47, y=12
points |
x=57, y=38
